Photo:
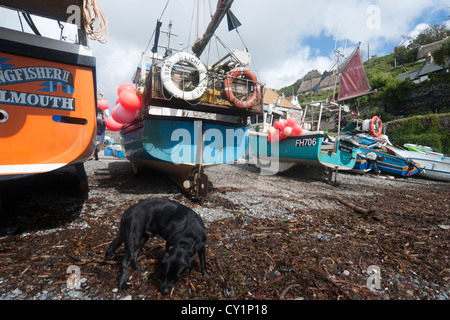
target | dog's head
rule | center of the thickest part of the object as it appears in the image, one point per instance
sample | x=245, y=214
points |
x=174, y=263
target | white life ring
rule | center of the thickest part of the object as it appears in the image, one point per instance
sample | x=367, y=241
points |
x=169, y=85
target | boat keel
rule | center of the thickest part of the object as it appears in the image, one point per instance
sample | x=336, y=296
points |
x=196, y=185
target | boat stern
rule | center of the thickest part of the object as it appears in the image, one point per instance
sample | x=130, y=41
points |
x=47, y=107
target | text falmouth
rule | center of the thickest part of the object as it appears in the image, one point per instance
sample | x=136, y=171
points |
x=36, y=100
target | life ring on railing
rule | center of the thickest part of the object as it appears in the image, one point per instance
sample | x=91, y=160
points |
x=376, y=123
x=228, y=87
x=169, y=85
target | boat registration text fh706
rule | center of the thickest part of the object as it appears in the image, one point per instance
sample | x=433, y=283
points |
x=306, y=142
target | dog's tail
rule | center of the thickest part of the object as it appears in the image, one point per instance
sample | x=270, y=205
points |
x=117, y=242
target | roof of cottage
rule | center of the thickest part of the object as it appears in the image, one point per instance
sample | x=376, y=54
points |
x=429, y=49
x=272, y=97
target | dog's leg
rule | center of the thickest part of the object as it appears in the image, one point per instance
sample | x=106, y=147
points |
x=201, y=255
x=191, y=264
x=135, y=254
x=123, y=272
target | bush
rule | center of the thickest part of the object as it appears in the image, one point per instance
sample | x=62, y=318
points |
x=379, y=80
x=394, y=92
x=404, y=55
x=442, y=55
x=437, y=141
x=420, y=130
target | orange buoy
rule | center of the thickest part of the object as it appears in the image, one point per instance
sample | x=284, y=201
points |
x=228, y=84
x=374, y=124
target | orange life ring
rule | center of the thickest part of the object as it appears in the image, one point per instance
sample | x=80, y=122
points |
x=373, y=125
x=228, y=83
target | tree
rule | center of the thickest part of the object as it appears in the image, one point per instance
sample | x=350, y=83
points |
x=404, y=55
x=442, y=55
x=429, y=35
x=379, y=80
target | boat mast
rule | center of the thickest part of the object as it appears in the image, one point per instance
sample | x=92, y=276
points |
x=223, y=6
x=339, y=54
x=169, y=33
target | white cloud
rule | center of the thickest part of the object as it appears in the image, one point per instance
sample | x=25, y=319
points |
x=289, y=70
x=116, y=64
x=275, y=32
x=414, y=33
x=418, y=29
x=447, y=23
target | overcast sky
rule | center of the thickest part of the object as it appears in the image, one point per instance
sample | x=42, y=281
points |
x=286, y=38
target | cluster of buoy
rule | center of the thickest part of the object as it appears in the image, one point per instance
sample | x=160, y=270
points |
x=128, y=103
x=284, y=129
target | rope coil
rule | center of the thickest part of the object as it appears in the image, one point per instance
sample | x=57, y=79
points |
x=95, y=21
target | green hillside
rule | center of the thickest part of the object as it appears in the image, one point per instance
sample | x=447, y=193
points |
x=386, y=64
x=382, y=73
x=390, y=91
x=379, y=71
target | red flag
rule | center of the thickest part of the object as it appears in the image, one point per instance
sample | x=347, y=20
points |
x=354, y=82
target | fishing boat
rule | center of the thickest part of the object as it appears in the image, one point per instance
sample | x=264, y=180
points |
x=47, y=95
x=375, y=150
x=313, y=148
x=391, y=164
x=369, y=133
x=434, y=166
x=192, y=116
x=422, y=149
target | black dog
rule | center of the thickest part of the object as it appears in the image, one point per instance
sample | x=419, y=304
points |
x=181, y=227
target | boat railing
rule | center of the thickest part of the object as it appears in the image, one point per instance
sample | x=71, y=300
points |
x=186, y=78
x=316, y=111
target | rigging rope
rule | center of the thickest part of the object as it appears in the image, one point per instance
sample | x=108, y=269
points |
x=95, y=21
x=20, y=19
x=30, y=23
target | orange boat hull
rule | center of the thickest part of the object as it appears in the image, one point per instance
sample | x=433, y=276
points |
x=47, y=115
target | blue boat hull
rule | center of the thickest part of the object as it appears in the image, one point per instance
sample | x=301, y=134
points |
x=172, y=145
x=390, y=164
x=362, y=165
x=307, y=150
x=177, y=141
